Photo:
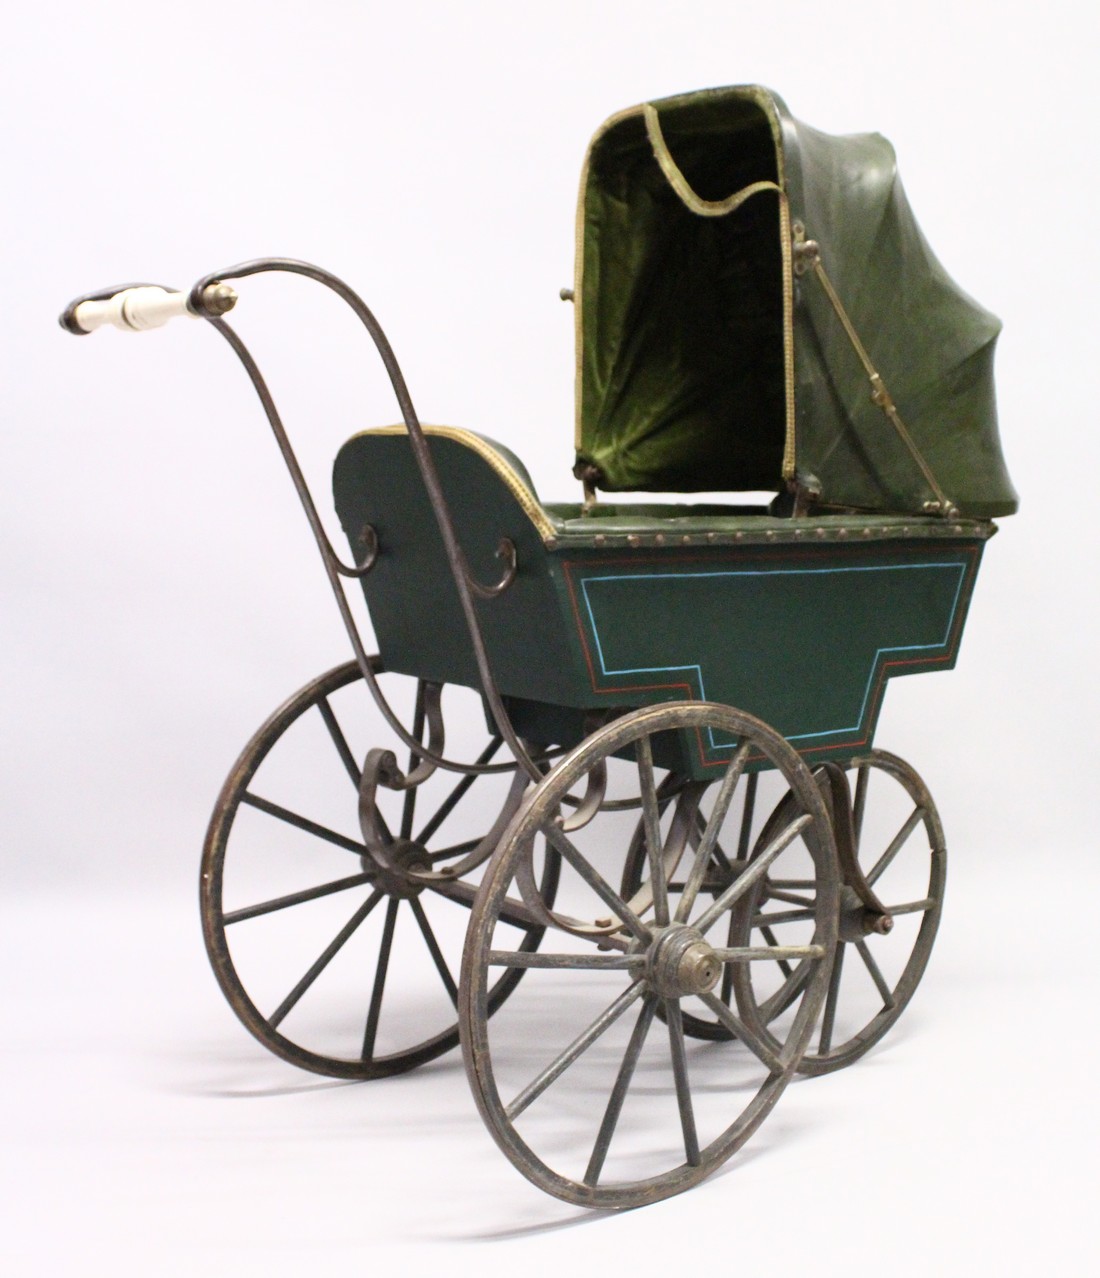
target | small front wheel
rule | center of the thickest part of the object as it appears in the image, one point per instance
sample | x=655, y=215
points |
x=582, y=1086
x=899, y=860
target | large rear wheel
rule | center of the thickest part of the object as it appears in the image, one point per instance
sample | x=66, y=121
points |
x=331, y=964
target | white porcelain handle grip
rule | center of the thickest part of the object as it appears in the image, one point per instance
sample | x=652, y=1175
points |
x=136, y=309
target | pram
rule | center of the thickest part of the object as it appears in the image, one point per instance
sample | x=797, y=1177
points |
x=647, y=669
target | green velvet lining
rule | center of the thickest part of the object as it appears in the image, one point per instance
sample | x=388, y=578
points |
x=682, y=364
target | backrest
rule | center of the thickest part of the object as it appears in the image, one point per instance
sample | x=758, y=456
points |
x=410, y=591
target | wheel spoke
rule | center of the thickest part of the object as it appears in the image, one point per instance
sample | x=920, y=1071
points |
x=758, y=953
x=869, y=963
x=727, y=970
x=710, y=835
x=303, y=823
x=829, y=1019
x=450, y=802
x=680, y=1072
x=740, y=1030
x=915, y=818
x=513, y=911
x=912, y=907
x=434, y=950
x=579, y=1045
x=583, y=962
x=618, y=1092
x=781, y=916
x=326, y=957
x=596, y=881
x=790, y=898
x=339, y=741
x=295, y=898
x=746, y=816
x=756, y=871
x=770, y=937
x=717, y=853
x=651, y=820
x=456, y=849
x=783, y=997
x=375, y=1009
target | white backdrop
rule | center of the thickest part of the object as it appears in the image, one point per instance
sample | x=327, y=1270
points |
x=161, y=591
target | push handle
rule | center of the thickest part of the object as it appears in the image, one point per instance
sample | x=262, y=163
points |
x=142, y=306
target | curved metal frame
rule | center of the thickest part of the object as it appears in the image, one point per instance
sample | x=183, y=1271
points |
x=465, y=583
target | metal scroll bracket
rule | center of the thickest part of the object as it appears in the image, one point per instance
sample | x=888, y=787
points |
x=506, y=551
x=368, y=539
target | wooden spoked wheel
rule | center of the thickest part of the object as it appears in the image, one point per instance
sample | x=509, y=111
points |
x=899, y=854
x=331, y=965
x=584, y=1094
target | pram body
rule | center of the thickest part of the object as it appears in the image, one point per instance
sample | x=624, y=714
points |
x=799, y=621
x=756, y=313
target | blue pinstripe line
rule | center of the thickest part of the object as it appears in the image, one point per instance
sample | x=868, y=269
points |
x=778, y=572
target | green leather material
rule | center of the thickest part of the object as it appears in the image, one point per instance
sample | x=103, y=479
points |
x=680, y=341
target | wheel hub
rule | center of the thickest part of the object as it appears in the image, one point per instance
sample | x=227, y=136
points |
x=858, y=921
x=679, y=962
x=396, y=869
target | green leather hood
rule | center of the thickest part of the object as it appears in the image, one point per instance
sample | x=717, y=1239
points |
x=705, y=364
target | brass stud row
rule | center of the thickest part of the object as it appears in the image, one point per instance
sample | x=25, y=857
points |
x=637, y=541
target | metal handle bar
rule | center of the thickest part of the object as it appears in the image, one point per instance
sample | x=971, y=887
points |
x=210, y=298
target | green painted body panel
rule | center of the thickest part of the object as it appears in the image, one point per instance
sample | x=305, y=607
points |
x=803, y=637
x=803, y=633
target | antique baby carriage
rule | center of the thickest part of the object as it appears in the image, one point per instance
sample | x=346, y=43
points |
x=652, y=787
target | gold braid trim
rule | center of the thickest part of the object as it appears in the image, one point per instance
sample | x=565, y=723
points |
x=489, y=454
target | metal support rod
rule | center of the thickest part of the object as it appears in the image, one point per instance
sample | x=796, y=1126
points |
x=808, y=256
